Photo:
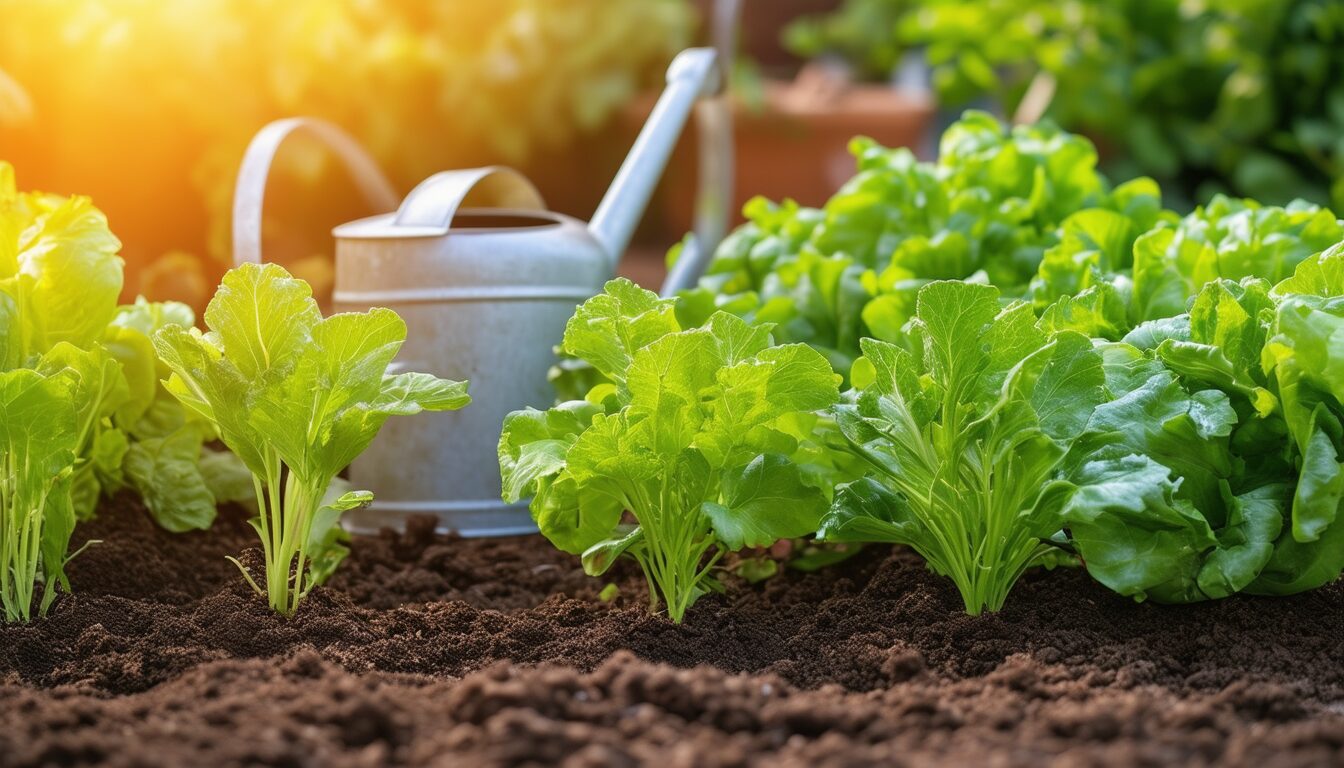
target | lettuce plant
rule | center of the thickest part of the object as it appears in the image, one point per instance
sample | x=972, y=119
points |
x=1304, y=366
x=692, y=436
x=966, y=435
x=37, y=441
x=1204, y=386
x=297, y=397
x=64, y=278
x=1206, y=466
x=1197, y=515
x=1256, y=483
x=159, y=446
x=987, y=211
x=59, y=277
x=1107, y=275
x=997, y=444
x=1201, y=458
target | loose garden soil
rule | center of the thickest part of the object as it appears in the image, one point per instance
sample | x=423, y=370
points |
x=436, y=650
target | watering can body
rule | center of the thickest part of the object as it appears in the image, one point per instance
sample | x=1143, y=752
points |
x=486, y=302
x=485, y=293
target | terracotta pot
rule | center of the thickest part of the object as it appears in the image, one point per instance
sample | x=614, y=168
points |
x=795, y=146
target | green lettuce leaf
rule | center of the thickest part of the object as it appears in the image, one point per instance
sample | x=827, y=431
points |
x=296, y=397
x=1230, y=239
x=38, y=437
x=59, y=282
x=1239, y=400
x=693, y=439
x=1023, y=209
x=166, y=472
x=965, y=434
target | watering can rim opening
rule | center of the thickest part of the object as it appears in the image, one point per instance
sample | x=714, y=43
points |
x=384, y=226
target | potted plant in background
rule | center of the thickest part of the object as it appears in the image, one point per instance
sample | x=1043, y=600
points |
x=794, y=117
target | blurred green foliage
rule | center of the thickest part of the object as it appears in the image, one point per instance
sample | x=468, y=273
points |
x=862, y=32
x=1206, y=96
x=147, y=106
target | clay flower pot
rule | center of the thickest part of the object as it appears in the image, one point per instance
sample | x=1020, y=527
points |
x=795, y=142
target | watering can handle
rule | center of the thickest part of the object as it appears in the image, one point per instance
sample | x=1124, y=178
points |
x=714, y=123
x=435, y=201
x=250, y=190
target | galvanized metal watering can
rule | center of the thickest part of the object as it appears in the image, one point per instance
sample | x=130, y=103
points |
x=485, y=278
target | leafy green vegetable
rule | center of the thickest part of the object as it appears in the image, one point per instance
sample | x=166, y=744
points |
x=988, y=211
x=1111, y=275
x=1180, y=515
x=1302, y=357
x=166, y=472
x=1217, y=473
x=1180, y=469
x=692, y=436
x=64, y=278
x=297, y=397
x=59, y=277
x=966, y=434
x=166, y=460
x=1233, y=97
x=1238, y=400
x=37, y=441
x=1208, y=465
x=1227, y=239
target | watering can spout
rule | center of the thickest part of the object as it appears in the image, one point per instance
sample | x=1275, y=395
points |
x=694, y=73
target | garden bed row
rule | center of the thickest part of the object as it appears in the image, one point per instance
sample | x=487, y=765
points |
x=425, y=648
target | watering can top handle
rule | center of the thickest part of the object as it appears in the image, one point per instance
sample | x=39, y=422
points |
x=714, y=123
x=250, y=190
x=431, y=205
x=435, y=201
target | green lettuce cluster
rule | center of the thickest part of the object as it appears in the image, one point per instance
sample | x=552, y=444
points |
x=297, y=397
x=1265, y=486
x=987, y=211
x=1196, y=458
x=967, y=434
x=695, y=434
x=83, y=412
x=1048, y=369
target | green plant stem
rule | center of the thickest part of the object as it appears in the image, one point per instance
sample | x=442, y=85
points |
x=978, y=546
x=999, y=552
x=277, y=578
x=20, y=547
x=286, y=506
x=675, y=543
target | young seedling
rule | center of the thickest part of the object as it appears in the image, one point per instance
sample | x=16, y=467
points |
x=297, y=397
x=966, y=437
x=37, y=442
x=59, y=280
x=691, y=437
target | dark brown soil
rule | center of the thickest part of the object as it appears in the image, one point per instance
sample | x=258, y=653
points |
x=431, y=650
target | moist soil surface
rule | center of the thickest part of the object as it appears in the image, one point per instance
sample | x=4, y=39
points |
x=435, y=650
